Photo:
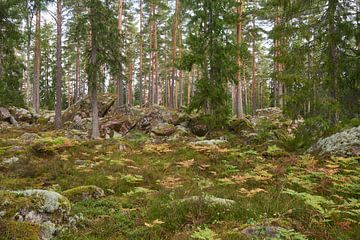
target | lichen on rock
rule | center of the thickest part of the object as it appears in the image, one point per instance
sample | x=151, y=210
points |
x=346, y=143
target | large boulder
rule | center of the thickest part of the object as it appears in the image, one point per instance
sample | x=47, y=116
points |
x=5, y=115
x=46, y=212
x=198, y=127
x=22, y=115
x=241, y=125
x=83, y=107
x=117, y=125
x=164, y=129
x=346, y=143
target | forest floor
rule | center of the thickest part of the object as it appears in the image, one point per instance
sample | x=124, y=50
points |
x=163, y=189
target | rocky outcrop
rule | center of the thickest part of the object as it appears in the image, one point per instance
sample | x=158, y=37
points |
x=346, y=143
x=46, y=210
x=272, y=113
x=22, y=115
x=83, y=107
x=6, y=116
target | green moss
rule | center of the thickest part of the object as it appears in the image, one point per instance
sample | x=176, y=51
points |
x=83, y=192
x=10, y=203
x=10, y=230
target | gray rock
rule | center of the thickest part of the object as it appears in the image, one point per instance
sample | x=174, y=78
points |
x=4, y=114
x=164, y=129
x=11, y=160
x=47, y=209
x=262, y=232
x=210, y=200
x=22, y=115
x=213, y=142
x=346, y=143
x=29, y=137
x=51, y=201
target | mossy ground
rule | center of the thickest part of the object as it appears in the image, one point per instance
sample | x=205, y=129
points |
x=145, y=183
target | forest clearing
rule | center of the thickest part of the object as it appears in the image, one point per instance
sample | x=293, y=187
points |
x=154, y=119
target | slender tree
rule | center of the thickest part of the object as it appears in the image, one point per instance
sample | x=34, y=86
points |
x=58, y=104
x=37, y=52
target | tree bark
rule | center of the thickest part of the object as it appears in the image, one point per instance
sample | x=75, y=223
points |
x=181, y=84
x=77, y=72
x=130, y=91
x=141, y=56
x=120, y=83
x=58, y=104
x=239, y=96
x=174, y=35
x=37, y=52
x=95, y=131
x=254, y=84
x=156, y=87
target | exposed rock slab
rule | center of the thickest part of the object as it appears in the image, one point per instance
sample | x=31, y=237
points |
x=346, y=143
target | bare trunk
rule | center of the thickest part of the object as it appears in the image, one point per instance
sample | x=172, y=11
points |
x=156, y=84
x=120, y=83
x=95, y=131
x=130, y=91
x=254, y=84
x=189, y=89
x=58, y=104
x=36, y=87
x=151, y=68
x=174, y=35
x=181, y=85
x=141, y=57
x=239, y=96
x=77, y=74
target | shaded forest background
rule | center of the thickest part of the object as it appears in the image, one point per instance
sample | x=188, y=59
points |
x=223, y=57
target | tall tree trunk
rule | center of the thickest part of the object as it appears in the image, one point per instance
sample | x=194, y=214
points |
x=151, y=65
x=181, y=85
x=174, y=35
x=37, y=52
x=27, y=85
x=156, y=87
x=95, y=131
x=69, y=88
x=130, y=91
x=77, y=72
x=239, y=96
x=189, y=88
x=58, y=104
x=167, y=85
x=332, y=65
x=254, y=84
x=120, y=83
x=141, y=56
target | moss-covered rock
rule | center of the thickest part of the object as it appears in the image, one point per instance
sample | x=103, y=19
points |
x=240, y=125
x=51, y=145
x=29, y=138
x=164, y=129
x=44, y=212
x=84, y=193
